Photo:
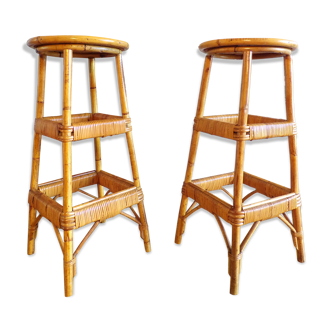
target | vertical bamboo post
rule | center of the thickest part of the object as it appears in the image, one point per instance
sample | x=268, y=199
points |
x=297, y=219
x=234, y=258
x=193, y=146
x=67, y=170
x=132, y=155
x=95, y=109
x=32, y=231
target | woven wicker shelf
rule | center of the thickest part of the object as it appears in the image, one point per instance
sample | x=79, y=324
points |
x=258, y=127
x=124, y=195
x=281, y=198
x=85, y=125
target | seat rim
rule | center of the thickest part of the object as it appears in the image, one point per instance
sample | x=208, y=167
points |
x=38, y=41
x=248, y=42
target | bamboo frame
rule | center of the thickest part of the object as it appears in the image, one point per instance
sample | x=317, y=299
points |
x=68, y=128
x=262, y=48
x=297, y=218
x=132, y=155
x=258, y=127
x=33, y=225
x=67, y=171
x=94, y=109
x=193, y=147
x=82, y=45
x=242, y=127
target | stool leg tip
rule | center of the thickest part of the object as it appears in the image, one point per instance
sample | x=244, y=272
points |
x=234, y=289
x=147, y=247
x=178, y=239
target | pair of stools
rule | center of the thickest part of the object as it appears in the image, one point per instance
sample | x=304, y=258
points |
x=122, y=194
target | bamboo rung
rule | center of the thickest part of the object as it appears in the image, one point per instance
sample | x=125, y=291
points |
x=83, y=126
x=258, y=127
x=282, y=200
x=125, y=194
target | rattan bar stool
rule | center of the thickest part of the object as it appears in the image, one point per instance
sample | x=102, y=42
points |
x=68, y=128
x=242, y=127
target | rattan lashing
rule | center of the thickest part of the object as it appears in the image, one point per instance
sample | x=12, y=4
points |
x=241, y=128
x=68, y=128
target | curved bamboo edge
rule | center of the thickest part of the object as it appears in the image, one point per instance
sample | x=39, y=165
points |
x=248, y=42
x=75, y=39
x=262, y=51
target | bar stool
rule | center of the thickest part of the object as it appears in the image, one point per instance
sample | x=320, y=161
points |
x=242, y=127
x=68, y=128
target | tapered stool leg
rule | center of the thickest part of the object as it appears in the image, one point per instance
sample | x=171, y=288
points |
x=67, y=171
x=297, y=219
x=193, y=147
x=129, y=136
x=33, y=224
x=235, y=255
x=234, y=261
x=95, y=109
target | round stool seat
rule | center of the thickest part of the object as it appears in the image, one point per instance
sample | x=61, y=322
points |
x=261, y=47
x=82, y=46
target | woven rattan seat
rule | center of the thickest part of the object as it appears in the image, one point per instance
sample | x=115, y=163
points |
x=242, y=127
x=120, y=193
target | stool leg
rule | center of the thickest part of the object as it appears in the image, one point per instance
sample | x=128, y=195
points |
x=234, y=262
x=297, y=219
x=67, y=171
x=193, y=147
x=235, y=255
x=94, y=109
x=32, y=232
x=129, y=136
x=181, y=225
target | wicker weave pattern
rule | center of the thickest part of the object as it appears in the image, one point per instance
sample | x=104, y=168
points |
x=252, y=212
x=54, y=188
x=125, y=194
x=84, y=126
x=106, y=207
x=46, y=206
x=282, y=199
x=67, y=128
x=215, y=182
x=258, y=127
x=242, y=127
x=267, y=188
x=112, y=182
x=206, y=200
x=271, y=209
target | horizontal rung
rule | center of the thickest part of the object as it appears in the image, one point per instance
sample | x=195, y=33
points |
x=264, y=187
x=124, y=195
x=83, y=126
x=55, y=187
x=206, y=200
x=216, y=182
x=282, y=199
x=258, y=127
x=271, y=208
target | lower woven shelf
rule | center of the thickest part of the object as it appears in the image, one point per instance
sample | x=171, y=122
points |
x=281, y=198
x=124, y=194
